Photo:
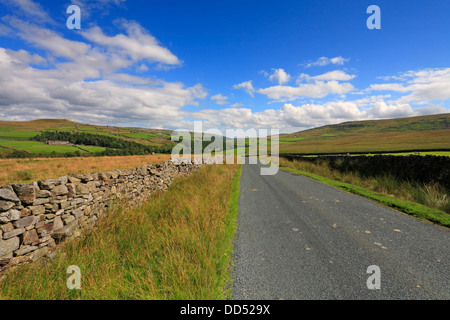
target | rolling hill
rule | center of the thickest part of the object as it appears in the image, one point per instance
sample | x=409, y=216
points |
x=17, y=135
x=412, y=134
x=415, y=133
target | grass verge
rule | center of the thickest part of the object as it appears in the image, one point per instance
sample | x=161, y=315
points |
x=177, y=246
x=414, y=209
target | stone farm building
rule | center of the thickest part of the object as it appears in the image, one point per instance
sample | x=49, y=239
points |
x=59, y=143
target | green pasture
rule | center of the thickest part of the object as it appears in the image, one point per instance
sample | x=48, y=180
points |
x=36, y=147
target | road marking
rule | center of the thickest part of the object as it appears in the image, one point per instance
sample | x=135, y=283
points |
x=380, y=245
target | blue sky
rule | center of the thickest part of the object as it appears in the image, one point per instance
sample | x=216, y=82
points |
x=289, y=65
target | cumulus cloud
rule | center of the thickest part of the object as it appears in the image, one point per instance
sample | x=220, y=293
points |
x=280, y=76
x=29, y=9
x=220, y=99
x=288, y=118
x=24, y=57
x=315, y=87
x=101, y=101
x=247, y=86
x=318, y=89
x=382, y=110
x=89, y=81
x=48, y=40
x=324, y=61
x=291, y=117
x=336, y=75
x=423, y=86
x=103, y=79
x=137, y=43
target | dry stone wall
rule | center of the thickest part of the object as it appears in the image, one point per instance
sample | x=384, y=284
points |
x=35, y=217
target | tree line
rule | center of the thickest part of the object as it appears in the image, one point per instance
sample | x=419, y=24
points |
x=113, y=146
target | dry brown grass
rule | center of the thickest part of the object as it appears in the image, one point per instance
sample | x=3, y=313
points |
x=370, y=142
x=28, y=170
x=177, y=246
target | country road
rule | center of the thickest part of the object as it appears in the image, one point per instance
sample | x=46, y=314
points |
x=298, y=239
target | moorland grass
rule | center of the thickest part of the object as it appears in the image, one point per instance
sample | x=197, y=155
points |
x=28, y=170
x=177, y=245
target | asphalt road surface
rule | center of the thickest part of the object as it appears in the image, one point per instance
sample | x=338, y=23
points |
x=298, y=239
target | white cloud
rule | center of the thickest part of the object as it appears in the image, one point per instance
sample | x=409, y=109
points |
x=26, y=58
x=388, y=87
x=280, y=76
x=290, y=117
x=138, y=44
x=430, y=109
x=88, y=81
x=247, y=86
x=220, y=99
x=338, y=60
x=318, y=89
x=324, y=61
x=423, y=86
x=46, y=39
x=315, y=87
x=100, y=79
x=382, y=110
x=337, y=75
x=29, y=9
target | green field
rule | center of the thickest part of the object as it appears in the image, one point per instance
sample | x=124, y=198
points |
x=15, y=135
x=91, y=149
x=19, y=130
x=37, y=147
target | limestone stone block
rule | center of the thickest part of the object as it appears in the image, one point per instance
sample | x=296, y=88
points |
x=25, y=192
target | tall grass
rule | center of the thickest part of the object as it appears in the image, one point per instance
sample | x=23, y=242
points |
x=28, y=170
x=431, y=195
x=175, y=246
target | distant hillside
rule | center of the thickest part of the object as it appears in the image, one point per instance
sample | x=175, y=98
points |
x=16, y=137
x=415, y=133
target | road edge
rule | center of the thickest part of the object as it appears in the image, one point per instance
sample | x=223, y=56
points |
x=413, y=209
